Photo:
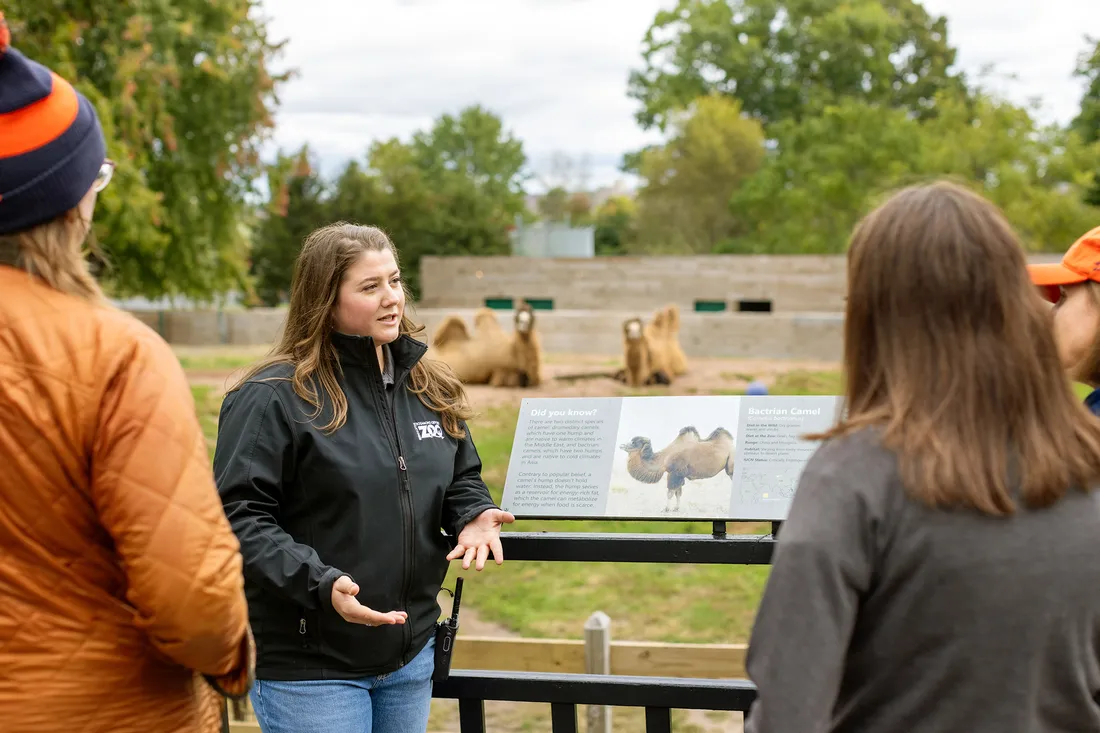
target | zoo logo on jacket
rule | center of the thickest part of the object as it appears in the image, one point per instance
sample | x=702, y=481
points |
x=428, y=429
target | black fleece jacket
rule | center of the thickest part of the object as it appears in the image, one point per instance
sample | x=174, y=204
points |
x=367, y=501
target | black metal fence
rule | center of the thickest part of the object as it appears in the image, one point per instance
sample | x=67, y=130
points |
x=659, y=696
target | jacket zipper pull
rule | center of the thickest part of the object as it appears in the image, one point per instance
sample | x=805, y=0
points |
x=401, y=462
x=302, y=626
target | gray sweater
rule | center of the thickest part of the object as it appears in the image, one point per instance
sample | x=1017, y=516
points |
x=883, y=616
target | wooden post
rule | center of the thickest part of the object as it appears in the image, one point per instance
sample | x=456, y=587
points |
x=597, y=660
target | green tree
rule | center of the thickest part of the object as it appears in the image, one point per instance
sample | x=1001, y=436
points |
x=615, y=226
x=296, y=208
x=453, y=189
x=474, y=148
x=683, y=205
x=579, y=207
x=186, y=99
x=814, y=185
x=828, y=170
x=788, y=58
x=554, y=204
x=1087, y=122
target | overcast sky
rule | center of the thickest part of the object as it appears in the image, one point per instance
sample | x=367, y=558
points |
x=556, y=70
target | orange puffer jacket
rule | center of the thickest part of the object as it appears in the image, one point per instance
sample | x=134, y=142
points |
x=121, y=596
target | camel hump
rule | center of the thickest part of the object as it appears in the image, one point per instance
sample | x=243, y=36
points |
x=486, y=319
x=451, y=329
x=719, y=432
x=688, y=430
x=673, y=312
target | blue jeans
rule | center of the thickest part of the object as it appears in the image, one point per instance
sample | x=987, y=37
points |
x=398, y=702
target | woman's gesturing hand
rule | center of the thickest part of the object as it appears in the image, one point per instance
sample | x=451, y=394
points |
x=349, y=607
x=479, y=536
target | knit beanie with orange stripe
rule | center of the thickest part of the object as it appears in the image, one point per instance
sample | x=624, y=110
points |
x=51, y=142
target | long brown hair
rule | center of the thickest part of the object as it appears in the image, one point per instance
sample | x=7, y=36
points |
x=948, y=348
x=321, y=266
x=56, y=252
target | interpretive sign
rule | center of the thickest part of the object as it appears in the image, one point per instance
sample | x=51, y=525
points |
x=699, y=457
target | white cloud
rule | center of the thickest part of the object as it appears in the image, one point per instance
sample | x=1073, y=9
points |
x=1036, y=40
x=556, y=70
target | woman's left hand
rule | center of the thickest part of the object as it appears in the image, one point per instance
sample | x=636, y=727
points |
x=479, y=536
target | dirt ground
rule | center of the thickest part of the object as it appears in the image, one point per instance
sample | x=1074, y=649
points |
x=578, y=375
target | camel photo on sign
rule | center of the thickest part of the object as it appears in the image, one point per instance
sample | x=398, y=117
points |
x=674, y=457
x=699, y=457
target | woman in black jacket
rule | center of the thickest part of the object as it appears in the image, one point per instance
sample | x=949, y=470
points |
x=340, y=458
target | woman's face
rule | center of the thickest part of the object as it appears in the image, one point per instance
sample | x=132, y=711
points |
x=371, y=301
x=1076, y=324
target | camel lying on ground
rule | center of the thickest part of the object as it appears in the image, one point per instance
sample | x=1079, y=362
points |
x=688, y=457
x=651, y=351
x=491, y=355
x=677, y=360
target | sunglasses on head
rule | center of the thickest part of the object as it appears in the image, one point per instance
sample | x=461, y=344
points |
x=104, y=176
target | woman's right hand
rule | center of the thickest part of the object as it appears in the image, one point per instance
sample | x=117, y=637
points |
x=348, y=606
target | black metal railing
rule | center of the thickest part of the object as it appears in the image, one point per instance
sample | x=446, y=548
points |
x=659, y=696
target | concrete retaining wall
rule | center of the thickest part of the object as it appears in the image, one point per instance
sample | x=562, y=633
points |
x=791, y=283
x=211, y=327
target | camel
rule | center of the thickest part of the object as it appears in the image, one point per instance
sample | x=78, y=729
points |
x=688, y=457
x=527, y=348
x=637, y=357
x=635, y=353
x=656, y=334
x=491, y=355
x=663, y=332
x=677, y=360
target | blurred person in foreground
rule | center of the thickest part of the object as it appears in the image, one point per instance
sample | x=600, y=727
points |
x=1073, y=286
x=938, y=569
x=121, y=595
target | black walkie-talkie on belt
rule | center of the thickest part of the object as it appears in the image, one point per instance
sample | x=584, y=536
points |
x=445, y=632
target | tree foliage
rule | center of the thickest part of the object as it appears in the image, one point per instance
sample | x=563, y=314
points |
x=1087, y=122
x=293, y=212
x=453, y=189
x=785, y=59
x=615, y=226
x=684, y=204
x=829, y=169
x=185, y=96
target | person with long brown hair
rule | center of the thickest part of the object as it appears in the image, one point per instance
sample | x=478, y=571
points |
x=340, y=458
x=1073, y=285
x=937, y=570
x=122, y=606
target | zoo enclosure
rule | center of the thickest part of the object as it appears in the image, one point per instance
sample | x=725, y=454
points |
x=563, y=692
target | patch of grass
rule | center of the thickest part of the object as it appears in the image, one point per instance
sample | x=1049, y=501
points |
x=802, y=382
x=208, y=402
x=218, y=358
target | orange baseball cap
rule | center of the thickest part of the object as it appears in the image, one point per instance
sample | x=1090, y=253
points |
x=1080, y=264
